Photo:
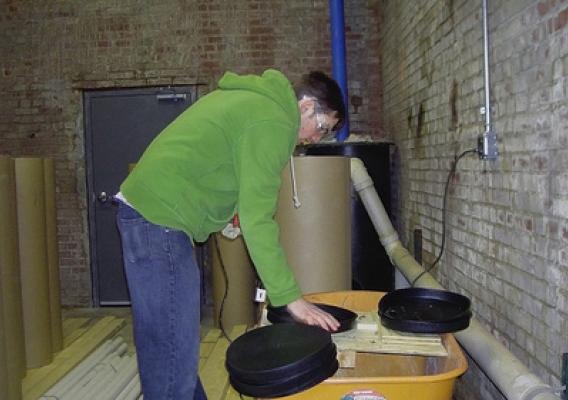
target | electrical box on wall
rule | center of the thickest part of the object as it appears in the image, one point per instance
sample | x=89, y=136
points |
x=487, y=145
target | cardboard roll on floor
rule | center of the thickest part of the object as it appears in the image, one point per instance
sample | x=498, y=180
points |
x=316, y=236
x=278, y=360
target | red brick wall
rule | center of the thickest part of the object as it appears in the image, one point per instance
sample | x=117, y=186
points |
x=52, y=50
x=506, y=220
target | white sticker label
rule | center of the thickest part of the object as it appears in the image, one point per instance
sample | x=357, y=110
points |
x=363, y=395
x=260, y=295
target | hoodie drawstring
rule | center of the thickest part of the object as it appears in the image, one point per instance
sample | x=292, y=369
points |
x=295, y=197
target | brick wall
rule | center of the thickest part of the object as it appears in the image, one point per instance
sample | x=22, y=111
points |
x=362, y=42
x=507, y=220
x=52, y=50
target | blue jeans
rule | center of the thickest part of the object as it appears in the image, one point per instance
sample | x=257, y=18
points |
x=164, y=283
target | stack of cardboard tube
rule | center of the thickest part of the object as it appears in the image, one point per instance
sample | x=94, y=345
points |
x=30, y=312
x=109, y=373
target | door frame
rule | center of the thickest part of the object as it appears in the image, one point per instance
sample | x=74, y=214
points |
x=161, y=93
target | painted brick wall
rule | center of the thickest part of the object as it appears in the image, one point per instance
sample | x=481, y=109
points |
x=51, y=50
x=507, y=236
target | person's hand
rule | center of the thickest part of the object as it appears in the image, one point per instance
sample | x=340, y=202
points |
x=307, y=313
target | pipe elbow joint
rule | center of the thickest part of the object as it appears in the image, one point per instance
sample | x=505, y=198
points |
x=391, y=242
x=359, y=175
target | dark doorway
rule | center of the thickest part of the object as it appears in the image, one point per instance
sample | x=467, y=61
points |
x=119, y=125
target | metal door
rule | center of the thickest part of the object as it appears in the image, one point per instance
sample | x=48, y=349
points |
x=119, y=125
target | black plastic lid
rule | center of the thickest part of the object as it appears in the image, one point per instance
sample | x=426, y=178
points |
x=276, y=375
x=345, y=317
x=279, y=349
x=287, y=387
x=421, y=310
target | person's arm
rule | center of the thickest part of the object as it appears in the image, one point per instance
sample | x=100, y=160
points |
x=261, y=155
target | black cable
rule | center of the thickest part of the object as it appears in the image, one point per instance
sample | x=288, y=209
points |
x=226, y=278
x=450, y=176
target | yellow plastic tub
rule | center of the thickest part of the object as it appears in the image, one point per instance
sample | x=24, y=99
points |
x=387, y=376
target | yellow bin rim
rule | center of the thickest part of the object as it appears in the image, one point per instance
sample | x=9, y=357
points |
x=362, y=300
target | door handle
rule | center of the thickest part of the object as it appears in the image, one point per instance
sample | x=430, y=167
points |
x=103, y=197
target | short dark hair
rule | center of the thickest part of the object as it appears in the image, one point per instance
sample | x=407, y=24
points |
x=327, y=93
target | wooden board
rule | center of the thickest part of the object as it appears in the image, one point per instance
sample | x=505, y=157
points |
x=213, y=374
x=211, y=335
x=70, y=325
x=372, y=337
x=372, y=322
x=232, y=394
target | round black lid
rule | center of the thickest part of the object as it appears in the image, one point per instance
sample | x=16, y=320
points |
x=289, y=386
x=276, y=375
x=422, y=310
x=273, y=350
x=345, y=317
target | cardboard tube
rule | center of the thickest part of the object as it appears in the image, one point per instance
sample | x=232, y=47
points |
x=52, y=255
x=4, y=380
x=238, y=307
x=317, y=236
x=10, y=286
x=33, y=261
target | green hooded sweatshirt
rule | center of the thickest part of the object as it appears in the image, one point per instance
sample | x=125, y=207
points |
x=224, y=155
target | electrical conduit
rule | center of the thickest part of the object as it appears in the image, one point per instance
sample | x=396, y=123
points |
x=512, y=378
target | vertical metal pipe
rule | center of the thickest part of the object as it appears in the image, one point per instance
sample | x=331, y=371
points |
x=486, y=69
x=337, y=24
x=564, y=378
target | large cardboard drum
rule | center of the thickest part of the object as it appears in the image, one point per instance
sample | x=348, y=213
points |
x=317, y=236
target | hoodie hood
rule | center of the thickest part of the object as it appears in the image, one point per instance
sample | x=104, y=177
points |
x=272, y=84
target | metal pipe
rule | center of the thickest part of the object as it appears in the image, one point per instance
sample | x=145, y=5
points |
x=564, y=377
x=91, y=390
x=69, y=380
x=120, y=381
x=132, y=389
x=89, y=379
x=337, y=25
x=486, y=69
x=122, y=376
x=512, y=378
